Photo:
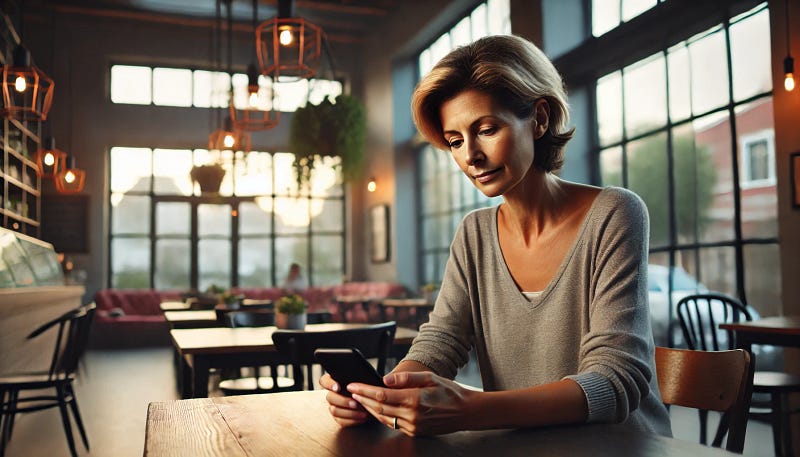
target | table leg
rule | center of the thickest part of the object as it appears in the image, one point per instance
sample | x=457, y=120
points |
x=185, y=375
x=200, y=377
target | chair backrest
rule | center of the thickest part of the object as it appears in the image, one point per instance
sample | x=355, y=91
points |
x=71, y=341
x=700, y=316
x=319, y=317
x=298, y=346
x=709, y=380
x=249, y=318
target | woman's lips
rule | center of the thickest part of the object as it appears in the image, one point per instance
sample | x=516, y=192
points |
x=486, y=176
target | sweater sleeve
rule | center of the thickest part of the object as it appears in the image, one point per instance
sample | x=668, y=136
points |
x=615, y=361
x=444, y=342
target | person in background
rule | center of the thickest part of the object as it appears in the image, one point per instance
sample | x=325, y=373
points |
x=294, y=281
x=549, y=287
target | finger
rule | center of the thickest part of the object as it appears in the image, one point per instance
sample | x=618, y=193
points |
x=340, y=401
x=385, y=419
x=408, y=379
x=380, y=410
x=327, y=382
x=346, y=414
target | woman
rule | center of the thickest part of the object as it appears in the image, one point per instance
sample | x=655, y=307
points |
x=294, y=281
x=549, y=287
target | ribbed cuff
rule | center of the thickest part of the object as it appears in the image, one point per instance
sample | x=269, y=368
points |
x=599, y=394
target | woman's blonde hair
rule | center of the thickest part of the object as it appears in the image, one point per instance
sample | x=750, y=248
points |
x=515, y=73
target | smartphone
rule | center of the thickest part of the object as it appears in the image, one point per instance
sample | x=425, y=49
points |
x=348, y=365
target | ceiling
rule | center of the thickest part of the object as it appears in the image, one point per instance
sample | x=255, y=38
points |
x=342, y=20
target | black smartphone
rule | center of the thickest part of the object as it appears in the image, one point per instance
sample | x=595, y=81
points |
x=348, y=365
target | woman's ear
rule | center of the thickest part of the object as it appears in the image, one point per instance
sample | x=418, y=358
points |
x=541, y=118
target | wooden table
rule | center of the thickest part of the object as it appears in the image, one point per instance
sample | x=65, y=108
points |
x=298, y=423
x=348, y=302
x=779, y=331
x=201, y=349
x=174, y=306
x=421, y=307
x=191, y=319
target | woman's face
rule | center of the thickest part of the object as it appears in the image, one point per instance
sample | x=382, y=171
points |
x=492, y=146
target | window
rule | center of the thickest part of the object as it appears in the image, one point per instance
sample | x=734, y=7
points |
x=209, y=89
x=664, y=130
x=608, y=14
x=446, y=194
x=166, y=235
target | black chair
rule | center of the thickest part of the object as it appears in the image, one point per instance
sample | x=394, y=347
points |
x=298, y=346
x=255, y=384
x=700, y=316
x=70, y=344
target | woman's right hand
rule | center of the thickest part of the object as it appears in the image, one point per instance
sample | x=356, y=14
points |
x=346, y=411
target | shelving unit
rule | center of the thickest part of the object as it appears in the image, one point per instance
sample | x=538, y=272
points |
x=20, y=186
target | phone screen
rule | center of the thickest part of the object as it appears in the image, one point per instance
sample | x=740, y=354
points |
x=346, y=366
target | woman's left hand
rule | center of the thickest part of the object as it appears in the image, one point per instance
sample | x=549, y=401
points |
x=418, y=403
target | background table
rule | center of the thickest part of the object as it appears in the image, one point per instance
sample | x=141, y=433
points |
x=779, y=330
x=421, y=307
x=298, y=423
x=201, y=349
x=191, y=319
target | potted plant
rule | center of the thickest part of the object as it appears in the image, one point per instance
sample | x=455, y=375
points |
x=290, y=312
x=209, y=177
x=429, y=291
x=335, y=128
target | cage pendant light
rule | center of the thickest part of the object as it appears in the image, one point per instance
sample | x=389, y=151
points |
x=258, y=111
x=288, y=47
x=49, y=160
x=228, y=138
x=27, y=90
x=70, y=179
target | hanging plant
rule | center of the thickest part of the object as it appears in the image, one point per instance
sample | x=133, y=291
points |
x=209, y=177
x=335, y=128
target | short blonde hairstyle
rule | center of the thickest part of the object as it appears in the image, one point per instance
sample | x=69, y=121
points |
x=515, y=73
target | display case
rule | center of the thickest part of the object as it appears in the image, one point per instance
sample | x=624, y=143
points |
x=27, y=262
x=20, y=185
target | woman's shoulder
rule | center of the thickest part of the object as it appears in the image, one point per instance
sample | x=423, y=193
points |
x=613, y=197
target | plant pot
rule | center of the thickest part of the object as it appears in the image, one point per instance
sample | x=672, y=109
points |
x=209, y=177
x=290, y=321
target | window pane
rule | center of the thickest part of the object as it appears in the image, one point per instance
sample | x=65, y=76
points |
x=480, y=29
x=289, y=250
x=645, y=95
x=750, y=56
x=254, y=174
x=328, y=251
x=605, y=16
x=130, y=263
x=680, y=105
x=647, y=176
x=214, y=220
x=253, y=220
x=172, y=87
x=173, y=218
x=291, y=94
x=500, y=17
x=172, y=264
x=171, y=168
x=712, y=138
x=759, y=202
x=293, y=215
x=718, y=269
x=320, y=89
x=695, y=178
x=328, y=215
x=131, y=215
x=461, y=33
x=633, y=8
x=611, y=166
x=213, y=263
x=609, y=108
x=763, y=278
x=255, y=263
x=709, y=72
x=130, y=169
x=285, y=177
x=130, y=84
x=201, y=96
x=326, y=177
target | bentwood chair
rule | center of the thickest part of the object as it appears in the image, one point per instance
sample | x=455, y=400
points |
x=708, y=380
x=22, y=393
x=700, y=316
x=298, y=346
x=256, y=384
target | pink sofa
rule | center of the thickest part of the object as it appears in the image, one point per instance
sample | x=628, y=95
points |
x=132, y=317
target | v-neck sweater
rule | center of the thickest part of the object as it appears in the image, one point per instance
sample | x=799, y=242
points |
x=590, y=324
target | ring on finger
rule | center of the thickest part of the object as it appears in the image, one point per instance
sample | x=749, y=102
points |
x=394, y=424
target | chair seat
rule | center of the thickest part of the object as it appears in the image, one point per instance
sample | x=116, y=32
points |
x=772, y=381
x=240, y=386
x=31, y=380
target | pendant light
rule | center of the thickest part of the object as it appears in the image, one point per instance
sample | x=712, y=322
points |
x=288, y=47
x=70, y=179
x=27, y=90
x=260, y=112
x=788, y=62
x=49, y=160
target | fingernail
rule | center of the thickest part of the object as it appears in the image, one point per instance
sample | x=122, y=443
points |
x=356, y=397
x=353, y=404
x=335, y=387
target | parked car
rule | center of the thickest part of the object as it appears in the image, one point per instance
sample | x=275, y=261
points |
x=662, y=307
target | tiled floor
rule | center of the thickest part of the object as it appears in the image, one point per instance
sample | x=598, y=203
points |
x=116, y=387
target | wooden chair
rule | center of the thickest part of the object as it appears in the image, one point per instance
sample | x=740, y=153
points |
x=70, y=345
x=708, y=380
x=700, y=316
x=298, y=346
x=257, y=383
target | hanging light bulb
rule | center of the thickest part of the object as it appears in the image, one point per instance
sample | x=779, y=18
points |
x=286, y=37
x=70, y=179
x=788, y=70
x=228, y=138
x=372, y=185
x=26, y=90
x=288, y=46
x=20, y=84
x=49, y=159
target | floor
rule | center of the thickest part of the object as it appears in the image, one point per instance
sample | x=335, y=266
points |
x=116, y=386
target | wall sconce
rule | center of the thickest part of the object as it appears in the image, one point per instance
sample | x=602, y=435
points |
x=27, y=90
x=788, y=62
x=70, y=179
x=49, y=159
x=371, y=184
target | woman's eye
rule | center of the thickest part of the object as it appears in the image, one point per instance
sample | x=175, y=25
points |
x=455, y=143
x=487, y=130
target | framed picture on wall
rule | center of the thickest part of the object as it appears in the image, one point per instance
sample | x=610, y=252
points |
x=794, y=173
x=379, y=233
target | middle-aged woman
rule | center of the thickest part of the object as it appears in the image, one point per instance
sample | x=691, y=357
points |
x=548, y=287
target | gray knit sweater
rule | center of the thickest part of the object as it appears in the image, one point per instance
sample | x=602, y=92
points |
x=591, y=324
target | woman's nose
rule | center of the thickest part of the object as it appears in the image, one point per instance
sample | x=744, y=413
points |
x=473, y=151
